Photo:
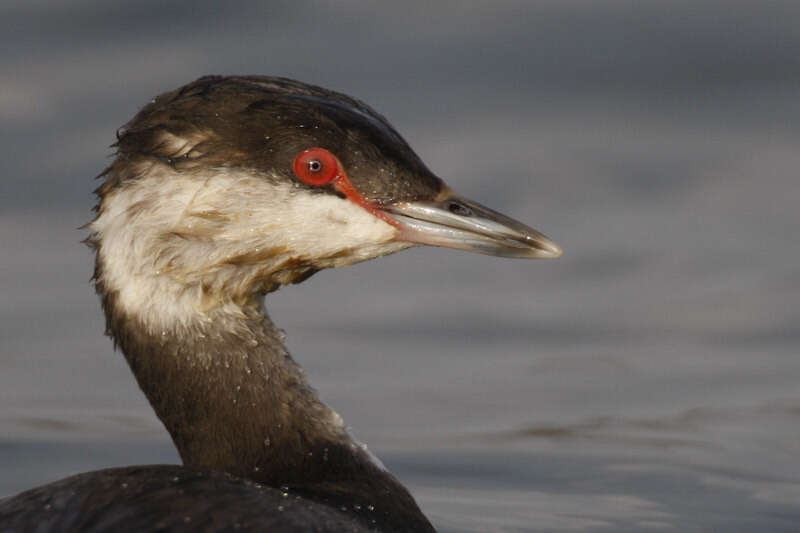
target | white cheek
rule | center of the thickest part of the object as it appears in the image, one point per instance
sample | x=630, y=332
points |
x=130, y=222
x=138, y=223
x=324, y=224
x=311, y=224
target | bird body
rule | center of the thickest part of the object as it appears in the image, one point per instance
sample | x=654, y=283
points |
x=221, y=192
x=135, y=499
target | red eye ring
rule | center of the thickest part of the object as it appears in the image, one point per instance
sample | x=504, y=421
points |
x=316, y=166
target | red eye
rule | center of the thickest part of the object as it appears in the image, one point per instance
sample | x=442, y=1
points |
x=316, y=166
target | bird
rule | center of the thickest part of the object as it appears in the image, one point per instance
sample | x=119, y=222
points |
x=221, y=192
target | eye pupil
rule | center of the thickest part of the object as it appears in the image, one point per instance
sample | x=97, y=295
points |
x=314, y=165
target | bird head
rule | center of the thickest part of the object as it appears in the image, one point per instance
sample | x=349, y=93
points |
x=230, y=187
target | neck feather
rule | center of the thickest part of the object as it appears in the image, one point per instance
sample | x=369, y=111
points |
x=233, y=399
x=229, y=394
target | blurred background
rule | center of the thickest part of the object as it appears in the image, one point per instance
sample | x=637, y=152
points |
x=647, y=380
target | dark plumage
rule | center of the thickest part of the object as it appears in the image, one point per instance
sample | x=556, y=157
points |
x=268, y=120
x=204, y=210
x=134, y=499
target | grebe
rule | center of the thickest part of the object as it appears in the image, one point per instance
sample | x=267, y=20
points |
x=221, y=192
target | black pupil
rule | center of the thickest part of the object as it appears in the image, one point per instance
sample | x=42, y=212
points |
x=314, y=165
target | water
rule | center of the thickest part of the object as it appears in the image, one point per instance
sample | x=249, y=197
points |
x=647, y=380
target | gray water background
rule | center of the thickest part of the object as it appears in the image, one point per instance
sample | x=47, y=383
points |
x=649, y=380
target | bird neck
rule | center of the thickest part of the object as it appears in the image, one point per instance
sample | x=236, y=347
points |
x=233, y=399
x=230, y=395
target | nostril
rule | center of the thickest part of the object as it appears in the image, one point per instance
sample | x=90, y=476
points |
x=457, y=208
